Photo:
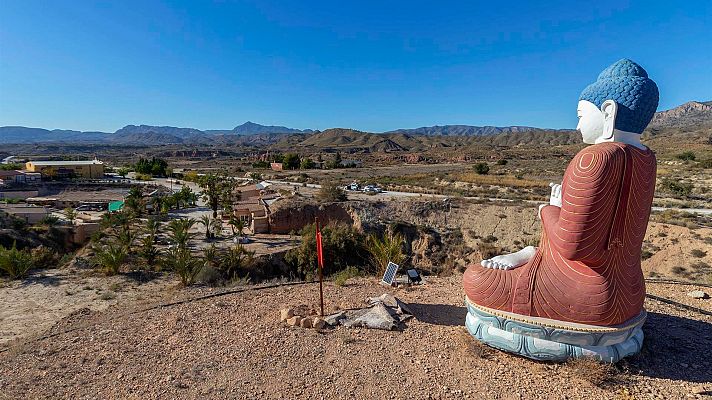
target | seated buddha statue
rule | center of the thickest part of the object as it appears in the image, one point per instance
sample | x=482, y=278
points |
x=580, y=292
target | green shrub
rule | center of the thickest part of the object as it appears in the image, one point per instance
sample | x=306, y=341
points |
x=331, y=192
x=502, y=161
x=687, y=156
x=481, y=168
x=342, y=246
x=184, y=264
x=235, y=260
x=15, y=263
x=44, y=257
x=110, y=257
x=676, y=188
x=210, y=275
x=388, y=248
x=342, y=277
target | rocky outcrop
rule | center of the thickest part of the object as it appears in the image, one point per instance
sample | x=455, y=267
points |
x=293, y=218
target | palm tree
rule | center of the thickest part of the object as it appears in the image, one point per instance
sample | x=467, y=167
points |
x=239, y=224
x=184, y=264
x=70, y=214
x=110, y=257
x=217, y=226
x=236, y=258
x=180, y=231
x=207, y=222
x=153, y=227
x=126, y=237
x=385, y=249
x=211, y=255
x=157, y=204
x=135, y=201
x=149, y=252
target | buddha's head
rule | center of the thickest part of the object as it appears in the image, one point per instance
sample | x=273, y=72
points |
x=623, y=98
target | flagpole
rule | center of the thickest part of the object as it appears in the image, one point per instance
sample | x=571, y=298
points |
x=320, y=263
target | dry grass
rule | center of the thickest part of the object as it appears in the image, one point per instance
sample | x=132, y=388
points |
x=500, y=180
x=593, y=371
x=470, y=346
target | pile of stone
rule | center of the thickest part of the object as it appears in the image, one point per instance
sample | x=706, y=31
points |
x=301, y=317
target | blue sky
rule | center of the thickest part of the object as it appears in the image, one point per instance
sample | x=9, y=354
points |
x=368, y=65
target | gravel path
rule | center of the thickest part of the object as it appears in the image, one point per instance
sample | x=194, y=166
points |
x=233, y=346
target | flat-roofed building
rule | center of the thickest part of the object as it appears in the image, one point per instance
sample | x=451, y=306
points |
x=91, y=169
x=10, y=177
x=29, y=213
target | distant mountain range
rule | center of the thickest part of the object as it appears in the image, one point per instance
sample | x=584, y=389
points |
x=469, y=130
x=689, y=115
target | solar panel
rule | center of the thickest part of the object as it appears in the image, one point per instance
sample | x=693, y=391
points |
x=390, y=275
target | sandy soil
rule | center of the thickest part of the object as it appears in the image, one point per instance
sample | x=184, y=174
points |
x=234, y=346
x=38, y=302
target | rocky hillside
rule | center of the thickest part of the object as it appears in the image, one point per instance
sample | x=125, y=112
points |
x=690, y=117
x=693, y=113
x=467, y=130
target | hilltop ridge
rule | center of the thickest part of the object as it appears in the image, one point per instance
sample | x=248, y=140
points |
x=693, y=115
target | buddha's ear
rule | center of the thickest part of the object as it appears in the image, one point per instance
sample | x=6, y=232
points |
x=609, y=108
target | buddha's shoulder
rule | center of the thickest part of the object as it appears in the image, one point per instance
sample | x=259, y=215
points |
x=598, y=159
x=607, y=149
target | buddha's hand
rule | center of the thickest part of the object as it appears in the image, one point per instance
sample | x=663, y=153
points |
x=555, y=198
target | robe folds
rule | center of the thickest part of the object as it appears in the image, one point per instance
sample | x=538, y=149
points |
x=587, y=266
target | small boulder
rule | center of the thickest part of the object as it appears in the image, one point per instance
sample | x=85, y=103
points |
x=698, y=294
x=306, y=323
x=318, y=323
x=294, y=321
x=285, y=314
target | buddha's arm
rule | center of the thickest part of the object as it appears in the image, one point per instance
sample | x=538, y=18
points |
x=579, y=229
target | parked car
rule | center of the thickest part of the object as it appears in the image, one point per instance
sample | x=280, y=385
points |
x=372, y=189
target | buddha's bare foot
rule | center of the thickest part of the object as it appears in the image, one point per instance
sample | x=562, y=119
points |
x=510, y=261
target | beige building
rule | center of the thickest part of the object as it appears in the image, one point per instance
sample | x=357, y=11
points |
x=28, y=213
x=93, y=169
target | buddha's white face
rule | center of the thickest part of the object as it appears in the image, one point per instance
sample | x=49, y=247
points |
x=590, y=121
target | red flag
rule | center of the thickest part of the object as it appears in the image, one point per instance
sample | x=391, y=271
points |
x=319, y=249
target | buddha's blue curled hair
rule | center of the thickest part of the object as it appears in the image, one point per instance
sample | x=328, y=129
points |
x=628, y=84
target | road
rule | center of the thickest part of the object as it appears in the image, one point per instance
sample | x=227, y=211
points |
x=194, y=187
x=702, y=211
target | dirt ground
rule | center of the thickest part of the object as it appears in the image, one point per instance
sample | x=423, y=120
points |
x=38, y=302
x=234, y=346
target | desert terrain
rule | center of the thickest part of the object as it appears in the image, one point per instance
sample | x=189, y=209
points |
x=234, y=346
x=200, y=318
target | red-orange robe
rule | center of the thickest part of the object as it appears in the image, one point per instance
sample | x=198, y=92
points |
x=587, y=267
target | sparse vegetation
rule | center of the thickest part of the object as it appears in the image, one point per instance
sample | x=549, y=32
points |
x=596, y=372
x=383, y=249
x=676, y=188
x=341, y=278
x=331, y=192
x=110, y=257
x=183, y=263
x=686, y=156
x=697, y=253
x=342, y=247
x=15, y=263
x=481, y=168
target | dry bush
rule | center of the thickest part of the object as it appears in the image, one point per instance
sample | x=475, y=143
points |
x=471, y=346
x=698, y=253
x=591, y=370
x=487, y=250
